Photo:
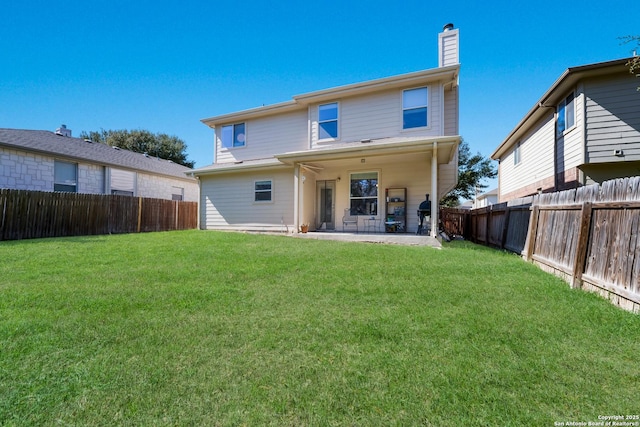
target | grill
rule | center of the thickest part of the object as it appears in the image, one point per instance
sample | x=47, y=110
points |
x=424, y=210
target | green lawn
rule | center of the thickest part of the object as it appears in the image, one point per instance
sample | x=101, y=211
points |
x=207, y=328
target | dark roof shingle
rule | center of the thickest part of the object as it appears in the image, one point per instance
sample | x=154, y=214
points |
x=46, y=142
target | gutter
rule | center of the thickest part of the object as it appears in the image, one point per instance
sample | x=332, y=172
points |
x=568, y=78
x=374, y=149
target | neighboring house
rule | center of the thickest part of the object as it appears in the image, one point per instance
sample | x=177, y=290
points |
x=308, y=160
x=47, y=161
x=485, y=199
x=585, y=129
x=465, y=205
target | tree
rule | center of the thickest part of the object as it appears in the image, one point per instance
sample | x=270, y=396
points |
x=634, y=62
x=142, y=141
x=472, y=169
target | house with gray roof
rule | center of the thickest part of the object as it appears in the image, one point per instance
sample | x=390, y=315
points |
x=42, y=160
x=362, y=154
x=585, y=129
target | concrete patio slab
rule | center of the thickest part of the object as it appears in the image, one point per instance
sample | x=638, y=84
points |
x=387, y=238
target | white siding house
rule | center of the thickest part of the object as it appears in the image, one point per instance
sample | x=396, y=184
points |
x=307, y=160
x=585, y=129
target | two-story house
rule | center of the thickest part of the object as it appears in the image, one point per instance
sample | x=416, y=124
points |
x=310, y=159
x=42, y=160
x=585, y=129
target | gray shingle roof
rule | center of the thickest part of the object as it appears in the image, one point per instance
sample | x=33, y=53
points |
x=50, y=143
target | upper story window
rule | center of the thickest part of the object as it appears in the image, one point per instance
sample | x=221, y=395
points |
x=65, y=176
x=328, y=121
x=263, y=191
x=516, y=154
x=566, y=113
x=414, y=108
x=233, y=136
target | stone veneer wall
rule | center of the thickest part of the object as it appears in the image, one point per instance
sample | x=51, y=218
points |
x=21, y=170
x=25, y=171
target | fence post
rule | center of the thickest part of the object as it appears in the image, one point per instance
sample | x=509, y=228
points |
x=176, y=223
x=505, y=227
x=531, y=234
x=581, y=245
x=487, y=225
x=139, y=213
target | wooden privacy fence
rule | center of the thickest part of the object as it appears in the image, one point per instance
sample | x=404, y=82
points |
x=589, y=236
x=501, y=225
x=35, y=214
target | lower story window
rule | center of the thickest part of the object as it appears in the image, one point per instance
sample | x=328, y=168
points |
x=123, y=183
x=65, y=176
x=263, y=190
x=363, y=198
x=177, y=193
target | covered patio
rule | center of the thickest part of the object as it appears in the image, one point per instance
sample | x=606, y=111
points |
x=323, y=179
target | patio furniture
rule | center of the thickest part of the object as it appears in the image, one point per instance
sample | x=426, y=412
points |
x=348, y=219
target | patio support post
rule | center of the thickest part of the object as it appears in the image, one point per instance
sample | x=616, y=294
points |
x=434, y=191
x=296, y=197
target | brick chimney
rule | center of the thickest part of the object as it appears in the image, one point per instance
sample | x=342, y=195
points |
x=63, y=131
x=448, y=46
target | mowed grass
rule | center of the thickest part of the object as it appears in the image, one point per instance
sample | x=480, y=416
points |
x=209, y=328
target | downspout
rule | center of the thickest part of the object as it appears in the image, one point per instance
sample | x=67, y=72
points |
x=555, y=152
x=555, y=143
x=296, y=197
x=582, y=176
x=434, y=191
x=309, y=127
x=199, y=220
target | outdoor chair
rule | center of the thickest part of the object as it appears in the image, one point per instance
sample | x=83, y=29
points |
x=349, y=220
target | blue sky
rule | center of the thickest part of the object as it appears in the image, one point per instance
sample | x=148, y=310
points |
x=164, y=65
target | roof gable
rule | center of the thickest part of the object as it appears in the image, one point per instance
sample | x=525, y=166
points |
x=441, y=74
x=553, y=96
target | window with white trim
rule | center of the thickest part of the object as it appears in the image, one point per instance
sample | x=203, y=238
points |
x=363, y=195
x=516, y=154
x=414, y=108
x=566, y=113
x=65, y=176
x=328, y=121
x=233, y=135
x=263, y=191
x=122, y=182
x=177, y=193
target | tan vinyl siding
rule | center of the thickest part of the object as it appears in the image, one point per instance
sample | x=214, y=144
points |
x=536, y=154
x=448, y=48
x=378, y=115
x=447, y=177
x=266, y=136
x=613, y=119
x=570, y=147
x=228, y=202
x=451, y=114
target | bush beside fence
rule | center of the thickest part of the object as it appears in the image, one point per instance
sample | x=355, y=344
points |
x=35, y=214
